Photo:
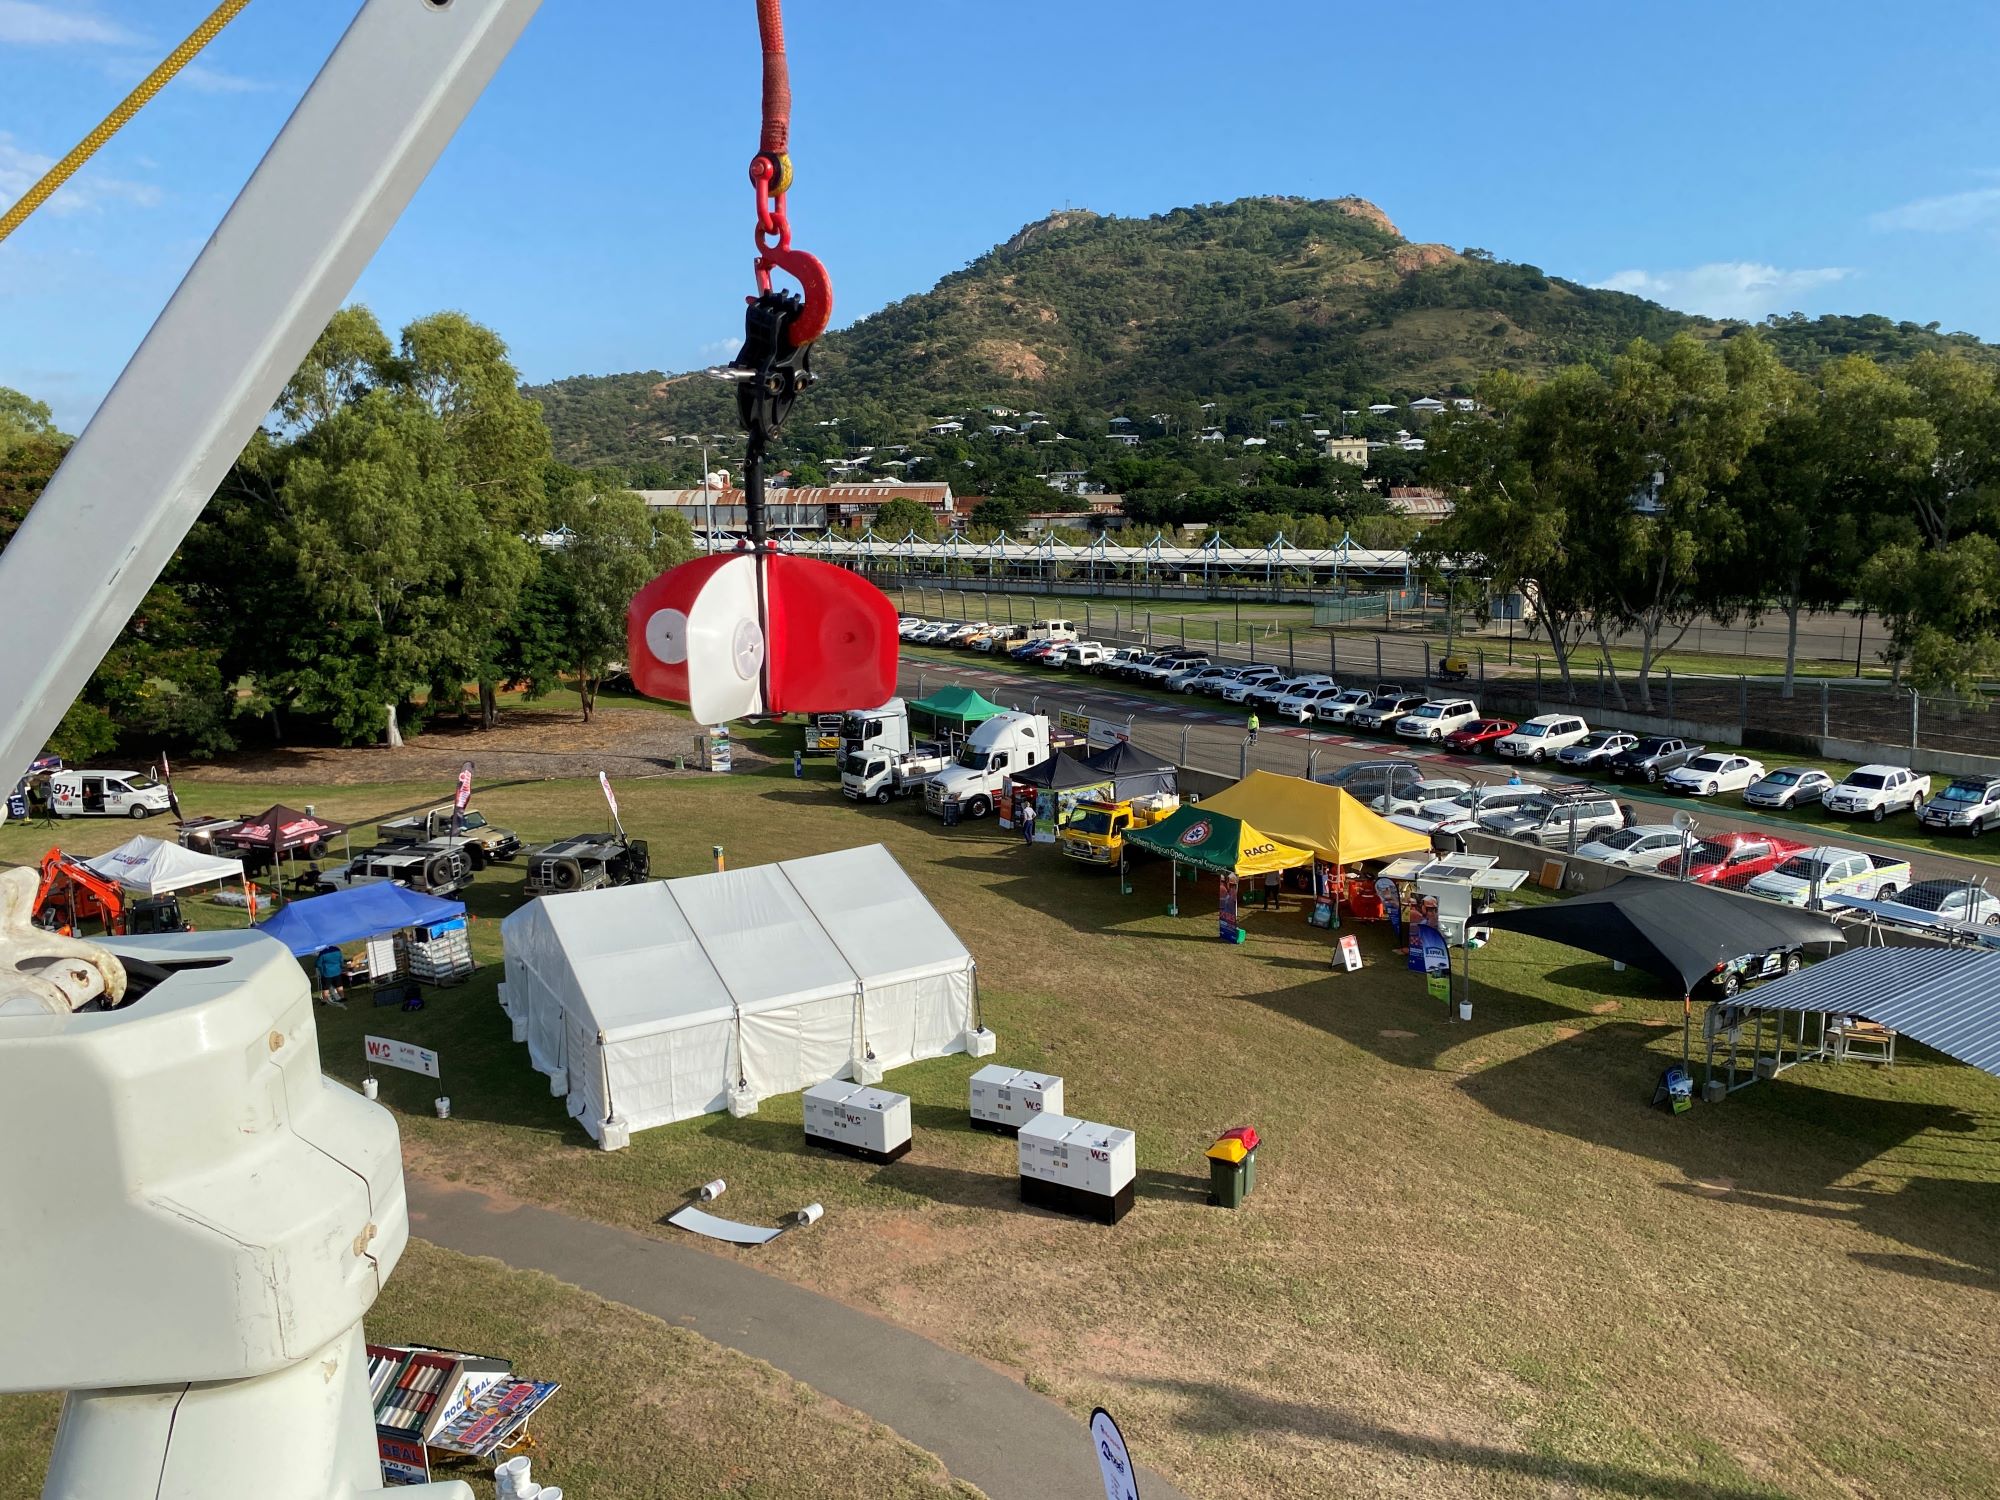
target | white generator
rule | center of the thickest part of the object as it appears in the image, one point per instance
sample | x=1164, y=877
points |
x=872, y=1124
x=1005, y=1099
x=1076, y=1167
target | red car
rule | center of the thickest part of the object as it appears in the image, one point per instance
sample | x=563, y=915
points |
x=1475, y=737
x=1731, y=858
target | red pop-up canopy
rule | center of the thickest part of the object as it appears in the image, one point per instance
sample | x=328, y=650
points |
x=280, y=829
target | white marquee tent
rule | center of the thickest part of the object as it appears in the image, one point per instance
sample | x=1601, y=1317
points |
x=153, y=867
x=658, y=1002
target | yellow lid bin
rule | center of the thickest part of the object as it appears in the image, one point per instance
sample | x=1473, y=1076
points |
x=1228, y=1149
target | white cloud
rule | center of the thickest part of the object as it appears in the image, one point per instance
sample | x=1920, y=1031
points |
x=198, y=77
x=20, y=169
x=1727, y=288
x=716, y=349
x=1949, y=214
x=36, y=25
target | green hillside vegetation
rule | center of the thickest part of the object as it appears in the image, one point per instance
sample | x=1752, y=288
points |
x=1265, y=306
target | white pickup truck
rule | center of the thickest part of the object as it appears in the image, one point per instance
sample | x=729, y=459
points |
x=1807, y=878
x=879, y=774
x=1876, y=791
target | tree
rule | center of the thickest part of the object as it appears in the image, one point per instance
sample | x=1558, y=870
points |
x=898, y=518
x=1000, y=513
x=22, y=417
x=1673, y=430
x=572, y=619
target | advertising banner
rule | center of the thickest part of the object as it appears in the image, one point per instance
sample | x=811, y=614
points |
x=387, y=1053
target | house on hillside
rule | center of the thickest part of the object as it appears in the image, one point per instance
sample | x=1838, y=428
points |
x=945, y=429
x=1255, y=442
x=1129, y=439
x=1000, y=431
x=1464, y=403
x=1209, y=435
x=1421, y=504
x=1121, y=422
x=1381, y=408
x=1068, y=481
x=1426, y=406
x=1277, y=424
x=1349, y=450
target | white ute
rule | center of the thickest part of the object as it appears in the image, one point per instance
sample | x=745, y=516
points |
x=1877, y=791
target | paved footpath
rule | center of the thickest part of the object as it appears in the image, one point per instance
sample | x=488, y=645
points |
x=986, y=1427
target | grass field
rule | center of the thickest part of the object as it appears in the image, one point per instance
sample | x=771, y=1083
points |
x=645, y=1409
x=1477, y=1263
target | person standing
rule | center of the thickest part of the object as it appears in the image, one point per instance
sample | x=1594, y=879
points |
x=1026, y=818
x=1253, y=728
x=332, y=969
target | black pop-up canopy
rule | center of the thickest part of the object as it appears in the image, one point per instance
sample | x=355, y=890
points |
x=1676, y=929
x=1133, y=772
x=1063, y=772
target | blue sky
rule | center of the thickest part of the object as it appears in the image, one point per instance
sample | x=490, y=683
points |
x=1726, y=158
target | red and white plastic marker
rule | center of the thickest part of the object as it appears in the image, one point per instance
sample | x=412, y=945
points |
x=827, y=640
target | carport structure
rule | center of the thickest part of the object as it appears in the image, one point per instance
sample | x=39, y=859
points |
x=1947, y=999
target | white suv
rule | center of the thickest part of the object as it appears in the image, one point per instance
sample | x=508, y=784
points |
x=1246, y=682
x=1438, y=718
x=1338, y=708
x=1877, y=791
x=1307, y=702
x=1541, y=737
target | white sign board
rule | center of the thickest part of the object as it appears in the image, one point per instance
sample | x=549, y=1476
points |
x=383, y=1052
x=1350, y=952
x=1113, y=1462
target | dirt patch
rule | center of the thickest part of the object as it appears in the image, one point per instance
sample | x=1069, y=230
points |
x=1012, y=359
x=1409, y=259
x=1361, y=208
x=527, y=742
x=1393, y=1032
x=1564, y=1033
x=1604, y=1007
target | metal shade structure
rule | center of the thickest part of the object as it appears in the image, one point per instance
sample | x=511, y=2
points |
x=1677, y=930
x=1947, y=999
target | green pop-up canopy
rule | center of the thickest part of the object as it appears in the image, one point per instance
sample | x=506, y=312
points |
x=1216, y=841
x=962, y=705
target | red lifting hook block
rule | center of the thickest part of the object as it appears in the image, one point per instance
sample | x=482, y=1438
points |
x=828, y=640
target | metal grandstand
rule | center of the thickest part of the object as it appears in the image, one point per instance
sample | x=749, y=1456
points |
x=1101, y=557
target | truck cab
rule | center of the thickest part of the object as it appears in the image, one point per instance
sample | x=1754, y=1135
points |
x=107, y=794
x=877, y=775
x=866, y=729
x=1095, y=834
x=1001, y=748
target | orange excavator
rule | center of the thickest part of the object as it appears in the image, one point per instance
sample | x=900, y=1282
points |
x=72, y=894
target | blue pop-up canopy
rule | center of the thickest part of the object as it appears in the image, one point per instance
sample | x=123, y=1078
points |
x=360, y=911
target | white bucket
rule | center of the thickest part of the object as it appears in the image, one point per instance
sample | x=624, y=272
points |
x=370, y=1087
x=810, y=1214
x=443, y=1103
x=510, y=1477
x=1465, y=1010
x=710, y=1191
x=553, y=1492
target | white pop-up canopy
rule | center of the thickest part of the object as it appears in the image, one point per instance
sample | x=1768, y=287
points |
x=659, y=1002
x=154, y=868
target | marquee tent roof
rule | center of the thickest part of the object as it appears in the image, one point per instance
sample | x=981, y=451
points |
x=658, y=1002
x=967, y=705
x=1123, y=758
x=1947, y=999
x=1315, y=816
x=155, y=867
x=359, y=911
x=1211, y=840
x=280, y=828
x=1675, y=929
x=1063, y=772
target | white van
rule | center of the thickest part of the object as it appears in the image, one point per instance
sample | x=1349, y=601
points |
x=107, y=794
x=1052, y=630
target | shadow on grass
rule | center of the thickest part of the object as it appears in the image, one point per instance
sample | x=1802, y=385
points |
x=954, y=1187
x=1174, y=1187
x=1210, y=1410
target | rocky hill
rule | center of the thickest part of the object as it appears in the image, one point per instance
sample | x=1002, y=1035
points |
x=1281, y=302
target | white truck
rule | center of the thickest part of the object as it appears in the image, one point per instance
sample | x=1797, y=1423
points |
x=107, y=794
x=878, y=774
x=1876, y=791
x=886, y=728
x=1003, y=747
x=1806, y=879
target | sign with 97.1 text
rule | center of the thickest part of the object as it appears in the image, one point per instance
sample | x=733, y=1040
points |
x=384, y=1053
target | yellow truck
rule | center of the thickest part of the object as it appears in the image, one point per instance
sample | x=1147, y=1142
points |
x=1096, y=834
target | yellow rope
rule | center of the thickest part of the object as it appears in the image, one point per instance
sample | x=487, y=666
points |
x=135, y=101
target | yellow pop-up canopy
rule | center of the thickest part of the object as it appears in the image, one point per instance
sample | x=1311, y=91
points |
x=1313, y=816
